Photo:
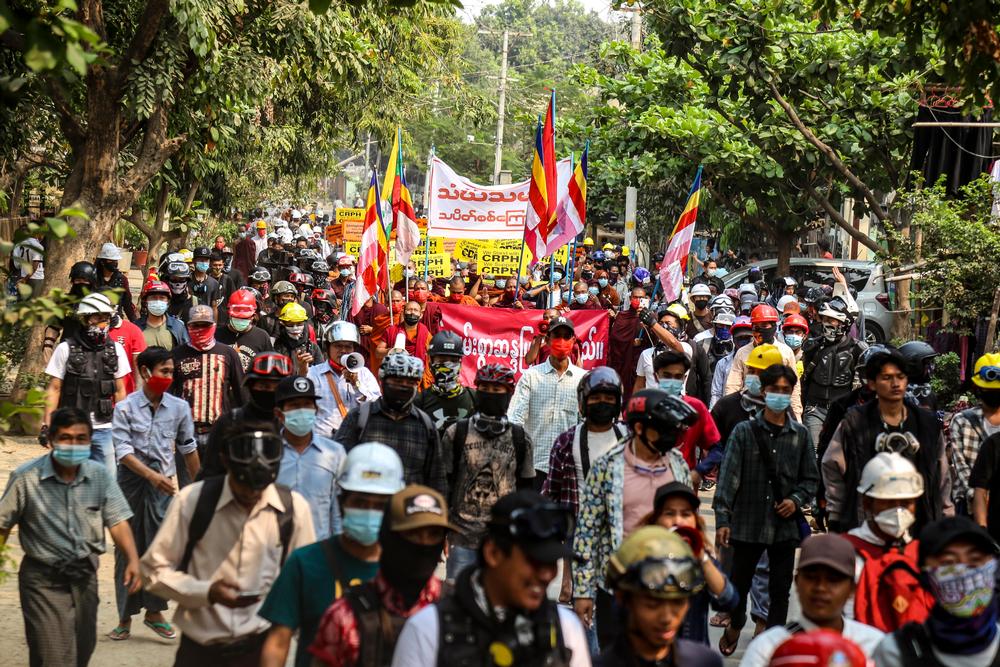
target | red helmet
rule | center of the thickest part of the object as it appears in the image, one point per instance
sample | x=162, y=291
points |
x=818, y=648
x=323, y=295
x=242, y=304
x=796, y=320
x=496, y=373
x=763, y=313
x=155, y=287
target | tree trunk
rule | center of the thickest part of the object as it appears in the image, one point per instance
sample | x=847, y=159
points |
x=785, y=243
x=17, y=195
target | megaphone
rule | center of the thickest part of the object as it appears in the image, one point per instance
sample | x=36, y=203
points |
x=352, y=361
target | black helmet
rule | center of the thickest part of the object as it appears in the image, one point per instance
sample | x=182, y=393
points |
x=814, y=295
x=873, y=351
x=84, y=271
x=446, y=344
x=603, y=379
x=919, y=358
x=254, y=458
x=320, y=267
x=668, y=414
x=259, y=274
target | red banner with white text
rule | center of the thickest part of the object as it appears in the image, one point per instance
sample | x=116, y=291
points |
x=500, y=335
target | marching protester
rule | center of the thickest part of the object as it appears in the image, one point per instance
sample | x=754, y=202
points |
x=61, y=503
x=416, y=336
x=316, y=575
x=340, y=388
x=764, y=325
x=110, y=277
x=446, y=400
x=239, y=332
x=970, y=428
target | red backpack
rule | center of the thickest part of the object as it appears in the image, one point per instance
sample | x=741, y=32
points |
x=889, y=594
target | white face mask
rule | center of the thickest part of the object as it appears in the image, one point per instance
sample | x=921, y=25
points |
x=895, y=521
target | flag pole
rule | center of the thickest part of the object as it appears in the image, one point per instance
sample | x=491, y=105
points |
x=427, y=228
x=571, y=249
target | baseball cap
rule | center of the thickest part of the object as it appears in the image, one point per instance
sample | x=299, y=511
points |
x=939, y=534
x=201, y=313
x=202, y=251
x=540, y=527
x=562, y=321
x=832, y=551
x=294, y=386
x=675, y=489
x=418, y=506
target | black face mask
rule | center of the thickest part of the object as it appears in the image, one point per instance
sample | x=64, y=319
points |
x=492, y=405
x=701, y=304
x=258, y=475
x=587, y=275
x=77, y=290
x=263, y=399
x=110, y=265
x=990, y=398
x=667, y=441
x=601, y=414
x=410, y=318
x=405, y=565
x=398, y=399
x=767, y=335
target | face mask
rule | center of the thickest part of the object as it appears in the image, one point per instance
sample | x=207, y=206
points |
x=990, y=398
x=603, y=282
x=556, y=276
x=202, y=338
x=406, y=566
x=201, y=266
x=178, y=288
x=455, y=298
x=219, y=246
x=362, y=526
x=751, y=385
x=601, y=414
x=71, y=455
x=766, y=335
x=895, y=521
x=96, y=334
x=398, y=399
x=701, y=304
x=587, y=275
x=157, y=308
x=411, y=319
x=262, y=233
x=501, y=283
x=408, y=273
x=741, y=341
x=397, y=308
x=420, y=296
x=560, y=348
x=300, y=422
x=634, y=303
x=672, y=386
x=110, y=265
x=777, y=402
x=962, y=590
x=536, y=275
x=158, y=384
x=582, y=298
x=446, y=374
x=710, y=272
x=344, y=273
x=831, y=333
x=239, y=324
x=263, y=399
x=492, y=405
x=593, y=290
x=295, y=331
x=523, y=280
x=723, y=334
x=793, y=341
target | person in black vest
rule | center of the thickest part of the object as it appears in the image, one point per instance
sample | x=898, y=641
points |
x=958, y=560
x=888, y=424
x=498, y=612
x=108, y=276
x=412, y=540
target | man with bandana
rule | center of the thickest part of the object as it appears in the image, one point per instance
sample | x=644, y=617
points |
x=958, y=561
x=446, y=400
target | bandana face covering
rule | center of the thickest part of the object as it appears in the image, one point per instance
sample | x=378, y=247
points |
x=202, y=338
x=962, y=590
x=446, y=375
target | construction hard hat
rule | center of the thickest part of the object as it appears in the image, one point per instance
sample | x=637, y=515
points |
x=890, y=476
x=741, y=325
x=95, y=304
x=588, y=241
x=987, y=371
x=701, y=289
x=795, y=321
x=657, y=562
x=678, y=311
x=764, y=356
x=261, y=224
x=625, y=252
x=372, y=467
x=155, y=287
x=294, y=313
x=242, y=304
x=186, y=255
x=818, y=648
x=763, y=313
x=789, y=303
x=340, y=331
x=608, y=246
x=110, y=251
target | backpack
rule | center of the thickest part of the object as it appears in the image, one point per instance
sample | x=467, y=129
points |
x=204, y=510
x=462, y=432
x=889, y=593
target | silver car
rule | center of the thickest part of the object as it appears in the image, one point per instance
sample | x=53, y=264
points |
x=865, y=277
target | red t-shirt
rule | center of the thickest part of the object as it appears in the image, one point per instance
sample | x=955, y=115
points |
x=130, y=337
x=703, y=434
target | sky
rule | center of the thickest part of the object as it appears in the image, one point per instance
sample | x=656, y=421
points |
x=472, y=7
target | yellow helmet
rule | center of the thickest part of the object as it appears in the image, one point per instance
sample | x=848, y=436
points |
x=293, y=312
x=678, y=311
x=588, y=241
x=987, y=371
x=658, y=562
x=187, y=255
x=764, y=356
x=608, y=246
x=625, y=251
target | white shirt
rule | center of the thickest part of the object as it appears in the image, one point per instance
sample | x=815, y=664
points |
x=30, y=250
x=598, y=444
x=57, y=369
x=758, y=653
x=888, y=655
x=645, y=366
x=328, y=417
x=418, y=642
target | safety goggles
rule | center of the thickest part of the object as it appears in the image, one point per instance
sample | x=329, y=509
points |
x=989, y=373
x=659, y=575
x=546, y=521
x=272, y=364
x=255, y=446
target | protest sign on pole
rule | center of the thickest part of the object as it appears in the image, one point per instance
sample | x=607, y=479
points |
x=500, y=335
x=458, y=208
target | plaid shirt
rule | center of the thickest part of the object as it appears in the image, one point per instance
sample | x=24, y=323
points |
x=743, y=499
x=418, y=447
x=562, y=485
x=966, y=434
x=545, y=403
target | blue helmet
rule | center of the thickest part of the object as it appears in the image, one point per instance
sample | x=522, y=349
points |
x=640, y=277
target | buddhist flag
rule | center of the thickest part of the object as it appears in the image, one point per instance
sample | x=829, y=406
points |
x=373, y=272
x=572, y=215
x=675, y=260
x=542, y=192
x=404, y=218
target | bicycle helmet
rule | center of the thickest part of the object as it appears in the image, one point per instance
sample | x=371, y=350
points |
x=84, y=271
x=401, y=365
x=446, y=344
x=602, y=379
x=497, y=374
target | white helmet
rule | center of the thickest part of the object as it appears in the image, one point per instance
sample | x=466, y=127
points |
x=110, y=251
x=748, y=288
x=340, y=331
x=785, y=300
x=401, y=365
x=890, y=476
x=372, y=467
x=95, y=303
x=701, y=289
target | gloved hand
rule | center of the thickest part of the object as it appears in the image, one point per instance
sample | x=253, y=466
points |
x=647, y=317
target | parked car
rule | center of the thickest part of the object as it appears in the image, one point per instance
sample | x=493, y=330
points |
x=865, y=277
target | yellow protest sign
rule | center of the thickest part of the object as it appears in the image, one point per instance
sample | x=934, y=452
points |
x=438, y=265
x=498, y=261
x=353, y=248
x=351, y=222
x=562, y=255
x=467, y=250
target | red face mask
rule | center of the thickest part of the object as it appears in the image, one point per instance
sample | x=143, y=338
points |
x=456, y=298
x=397, y=308
x=420, y=296
x=261, y=233
x=158, y=384
x=202, y=338
x=219, y=245
x=560, y=348
x=634, y=302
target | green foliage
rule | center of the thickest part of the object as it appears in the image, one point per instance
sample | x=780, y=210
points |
x=947, y=380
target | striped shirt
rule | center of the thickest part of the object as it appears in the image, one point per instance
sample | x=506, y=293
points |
x=210, y=381
x=545, y=403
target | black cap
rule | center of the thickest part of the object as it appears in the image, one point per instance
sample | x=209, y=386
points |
x=939, y=534
x=294, y=386
x=675, y=489
x=562, y=321
x=202, y=251
x=548, y=550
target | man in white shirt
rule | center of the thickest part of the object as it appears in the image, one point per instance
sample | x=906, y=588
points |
x=29, y=256
x=824, y=583
x=339, y=389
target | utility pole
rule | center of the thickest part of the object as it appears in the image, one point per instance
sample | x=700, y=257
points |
x=636, y=25
x=501, y=99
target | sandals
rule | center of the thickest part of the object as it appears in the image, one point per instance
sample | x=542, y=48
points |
x=120, y=633
x=720, y=620
x=728, y=646
x=163, y=629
